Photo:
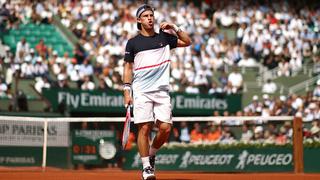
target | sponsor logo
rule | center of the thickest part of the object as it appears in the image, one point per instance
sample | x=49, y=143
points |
x=17, y=133
x=278, y=159
x=87, y=100
x=161, y=159
x=235, y=161
x=202, y=160
x=183, y=102
x=16, y=160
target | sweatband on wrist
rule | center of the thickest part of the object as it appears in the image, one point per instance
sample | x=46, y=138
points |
x=176, y=28
x=127, y=86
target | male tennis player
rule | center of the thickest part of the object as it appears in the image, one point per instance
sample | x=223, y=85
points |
x=147, y=67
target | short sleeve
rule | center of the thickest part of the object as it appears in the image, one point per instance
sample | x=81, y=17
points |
x=171, y=39
x=129, y=53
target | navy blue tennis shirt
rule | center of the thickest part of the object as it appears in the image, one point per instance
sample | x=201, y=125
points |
x=151, y=61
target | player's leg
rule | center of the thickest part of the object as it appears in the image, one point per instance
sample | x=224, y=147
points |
x=162, y=135
x=143, y=117
x=162, y=111
x=144, y=130
x=160, y=138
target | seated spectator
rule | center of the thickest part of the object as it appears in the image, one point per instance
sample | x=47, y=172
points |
x=42, y=82
x=288, y=127
x=102, y=84
x=284, y=68
x=281, y=137
x=86, y=68
x=53, y=58
x=295, y=62
x=246, y=134
x=27, y=68
x=192, y=89
x=205, y=133
x=316, y=91
x=223, y=79
x=269, y=87
x=266, y=109
x=235, y=79
x=214, y=133
x=87, y=84
x=79, y=53
x=196, y=135
x=7, y=55
x=41, y=67
x=57, y=64
x=116, y=81
x=269, y=137
x=22, y=50
x=201, y=81
x=184, y=133
x=33, y=56
x=214, y=88
x=218, y=62
x=41, y=48
x=280, y=107
x=258, y=134
x=4, y=16
x=254, y=105
x=315, y=129
x=312, y=112
x=174, y=135
x=3, y=88
x=62, y=82
x=73, y=71
x=227, y=135
x=247, y=61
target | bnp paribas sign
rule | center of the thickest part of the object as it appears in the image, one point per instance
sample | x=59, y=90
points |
x=111, y=101
x=218, y=160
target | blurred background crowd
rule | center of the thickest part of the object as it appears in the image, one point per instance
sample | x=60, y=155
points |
x=275, y=35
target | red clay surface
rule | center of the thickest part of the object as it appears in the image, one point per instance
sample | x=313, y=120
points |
x=117, y=174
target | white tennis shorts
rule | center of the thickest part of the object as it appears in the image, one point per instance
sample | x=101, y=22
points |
x=152, y=106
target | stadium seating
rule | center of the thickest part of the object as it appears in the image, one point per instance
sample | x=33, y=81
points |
x=33, y=33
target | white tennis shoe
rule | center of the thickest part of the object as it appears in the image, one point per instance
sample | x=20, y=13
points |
x=148, y=173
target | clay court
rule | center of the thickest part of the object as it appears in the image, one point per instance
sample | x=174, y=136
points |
x=117, y=174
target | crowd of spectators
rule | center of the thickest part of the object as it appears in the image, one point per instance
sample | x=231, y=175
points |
x=274, y=34
x=270, y=133
x=277, y=35
x=270, y=35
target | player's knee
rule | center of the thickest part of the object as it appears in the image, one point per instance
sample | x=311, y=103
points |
x=165, y=128
x=145, y=130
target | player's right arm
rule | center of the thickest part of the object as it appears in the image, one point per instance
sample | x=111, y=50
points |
x=127, y=79
x=127, y=73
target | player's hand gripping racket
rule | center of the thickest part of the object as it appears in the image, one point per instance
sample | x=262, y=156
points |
x=126, y=128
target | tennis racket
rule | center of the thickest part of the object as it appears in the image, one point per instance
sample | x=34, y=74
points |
x=126, y=128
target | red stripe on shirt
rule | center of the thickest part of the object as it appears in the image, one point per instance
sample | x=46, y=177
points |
x=151, y=66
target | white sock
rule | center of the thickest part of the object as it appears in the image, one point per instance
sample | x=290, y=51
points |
x=152, y=151
x=145, y=162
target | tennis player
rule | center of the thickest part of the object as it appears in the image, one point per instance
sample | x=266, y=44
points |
x=147, y=67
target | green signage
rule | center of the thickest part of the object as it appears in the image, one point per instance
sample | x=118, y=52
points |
x=204, y=104
x=92, y=146
x=311, y=160
x=112, y=102
x=269, y=159
x=32, y=156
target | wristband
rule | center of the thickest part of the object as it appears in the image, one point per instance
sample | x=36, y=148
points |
x=176, y=28
x=127, y=86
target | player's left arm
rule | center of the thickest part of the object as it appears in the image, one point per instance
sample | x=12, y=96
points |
x=183, y=38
